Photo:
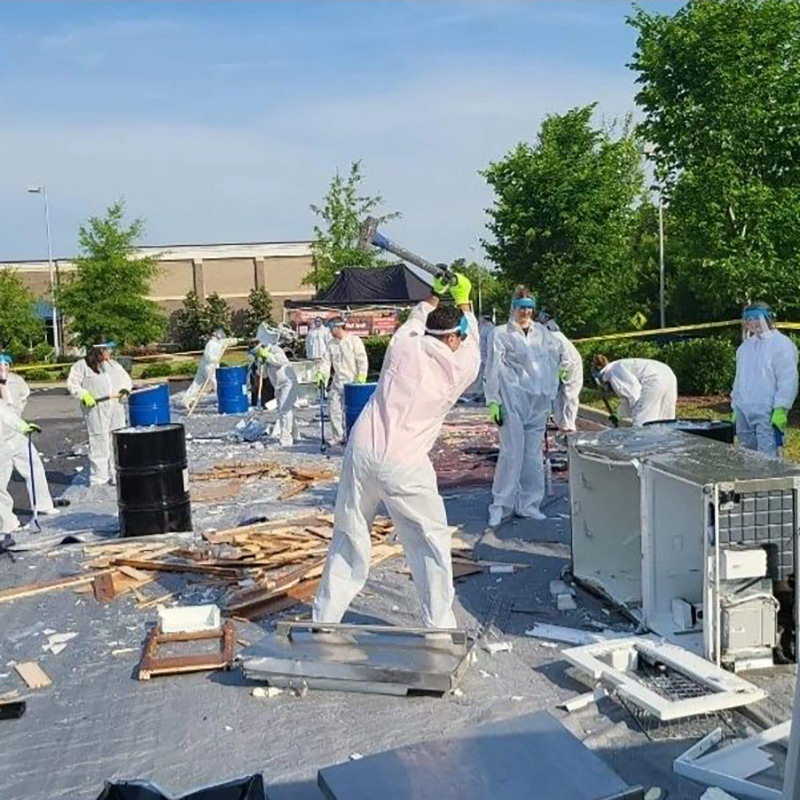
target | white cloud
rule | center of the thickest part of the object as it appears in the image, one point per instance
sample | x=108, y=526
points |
x=252, y=178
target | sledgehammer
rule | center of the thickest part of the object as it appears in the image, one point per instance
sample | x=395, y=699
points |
x=371, y=236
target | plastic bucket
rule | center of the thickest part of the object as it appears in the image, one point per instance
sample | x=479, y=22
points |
x=150, y=406
x=152, y=480
x=356, y=396
x=716, y=429
x=232, y=394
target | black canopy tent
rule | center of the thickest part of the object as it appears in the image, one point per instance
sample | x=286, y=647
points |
x=394, y=284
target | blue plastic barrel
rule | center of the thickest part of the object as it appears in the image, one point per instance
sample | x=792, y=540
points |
x=149, y=406
x=356, y=396
x=232, y=394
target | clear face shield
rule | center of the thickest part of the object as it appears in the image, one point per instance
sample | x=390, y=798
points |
x=756, y=321
x=522, y=311
x=461, y=330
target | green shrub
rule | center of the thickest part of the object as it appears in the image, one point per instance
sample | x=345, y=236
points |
x=702, y=366
x=185, y=367
x=161, y=369
x=376, y=350
x=41, y=374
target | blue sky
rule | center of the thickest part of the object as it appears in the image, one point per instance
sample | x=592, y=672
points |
x=223, y=121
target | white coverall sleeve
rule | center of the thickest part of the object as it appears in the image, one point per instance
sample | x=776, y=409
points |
x=121, y=378
x=325, y=363
x=75, y=379
x=785, y=366
x=10, y=418
x=625, y=384
x=494, y=361
x=362, y=362
x=468, y=355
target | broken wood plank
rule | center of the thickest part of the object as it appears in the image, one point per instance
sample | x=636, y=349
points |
x=103, y=587
x=169, y=566
x=41, y=587
x=33, y=675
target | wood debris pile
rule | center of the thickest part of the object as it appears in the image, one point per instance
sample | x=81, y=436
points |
x=298, y=479
x=259, y=568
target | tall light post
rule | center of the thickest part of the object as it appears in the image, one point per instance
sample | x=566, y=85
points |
x=42, y=190
x=650, y=151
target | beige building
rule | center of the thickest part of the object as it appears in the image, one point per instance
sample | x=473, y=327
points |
x=230, y=270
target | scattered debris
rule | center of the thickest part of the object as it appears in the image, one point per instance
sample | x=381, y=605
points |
x=558, y=633
x=266, y=691
x=654, y=793
x=360, y=658
x=33, y=675
x=56, y=642
x=566, y=602
x=666, y=681
x=189, y=619
x=493, y=648
x=153, y=664
x=12, y=709
x=583, y=700
x=731, y=767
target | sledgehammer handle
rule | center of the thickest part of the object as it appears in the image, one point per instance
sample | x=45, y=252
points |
x=384, y=243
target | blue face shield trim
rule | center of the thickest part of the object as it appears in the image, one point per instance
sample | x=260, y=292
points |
x=5, y=359
x=757, y=313
x=463, y=327
x=337, y=323
x=523, y=302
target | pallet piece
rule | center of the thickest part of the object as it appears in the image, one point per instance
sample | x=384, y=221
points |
x=41, y=587
x=151, y=664
x=33, y=675
x=103, y=587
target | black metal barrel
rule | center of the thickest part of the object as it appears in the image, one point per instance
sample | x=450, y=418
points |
x=152, y=480
x=717, y=429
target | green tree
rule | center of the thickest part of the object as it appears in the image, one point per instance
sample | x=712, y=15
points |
x=188, y=322
x=216, y=314
x=493, y=290
x=20, y=328
x=106, y=296
x=563, y=217
x=721, y=100
x=259, y=309
x=342, y=215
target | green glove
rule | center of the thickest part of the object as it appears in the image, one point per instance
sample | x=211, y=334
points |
x=440, y=286
x=264, y=353
x=460, y=291
x=88, y=400
x=733, y=416
x=123, y=393
x=496, y=413
x=31, y=427
x=361, y=379
x=779, y=419
x=563, y=374
x=614, y=420
x=320, y=380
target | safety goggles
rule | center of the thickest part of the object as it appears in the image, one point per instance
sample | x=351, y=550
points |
x=523, y=302
x=462, y=329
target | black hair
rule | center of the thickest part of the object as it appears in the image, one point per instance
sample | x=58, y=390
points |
x=94, y=358
x=443, y=318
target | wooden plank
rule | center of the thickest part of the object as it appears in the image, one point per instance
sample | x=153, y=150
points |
x=168, y=566
x=103, y=587
x=33, y=675
x=41, y=587
x=136, y=574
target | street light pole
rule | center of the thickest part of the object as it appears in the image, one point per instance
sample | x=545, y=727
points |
x=661, y=261
x=42, y=190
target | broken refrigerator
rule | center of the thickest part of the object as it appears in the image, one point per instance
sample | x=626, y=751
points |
x=697, y=539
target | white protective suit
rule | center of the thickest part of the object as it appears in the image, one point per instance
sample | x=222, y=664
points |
x=206, y=375
x=102, y=418
x=570, y=365
x=15, y=455
x=348, y=357
x=648, y=389
x=387, y=461
x=284, y=380
x=317, y=342
x=522, y=376
x=766, y=378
